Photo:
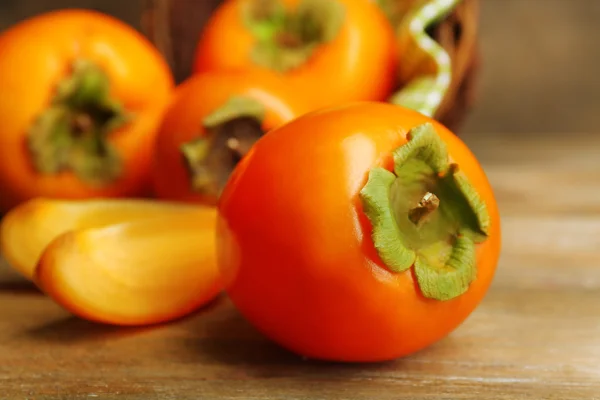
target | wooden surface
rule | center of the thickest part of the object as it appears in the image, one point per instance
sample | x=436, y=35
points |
x=535, y=336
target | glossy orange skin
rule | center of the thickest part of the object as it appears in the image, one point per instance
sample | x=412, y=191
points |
x=295, y=246
x=359, y=64
x=196, y=98
x=35, y=55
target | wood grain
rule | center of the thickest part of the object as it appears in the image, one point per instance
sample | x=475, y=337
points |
x=535, y=336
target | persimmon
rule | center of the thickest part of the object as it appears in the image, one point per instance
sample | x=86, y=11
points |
x=360, y=233
x=26, y=230
x=82, y=95
x=134, y=273
x=333, y=50
x=213, y=120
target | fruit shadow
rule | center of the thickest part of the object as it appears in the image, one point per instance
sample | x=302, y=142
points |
x=18, y=287
x=71, y=329
x=222, y=336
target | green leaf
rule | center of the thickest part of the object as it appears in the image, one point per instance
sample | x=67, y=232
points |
x=441, y=280
x=235, y=107
x=387, y=237
x=72, y=134
x=472, y=208
x=286, y=38
x=264, y=18
x=319, y=20
x=428, y=214
x=424, y=144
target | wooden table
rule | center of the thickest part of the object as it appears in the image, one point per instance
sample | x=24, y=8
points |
x=535, y=336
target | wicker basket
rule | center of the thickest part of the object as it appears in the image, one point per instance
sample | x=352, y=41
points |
x=175, y=25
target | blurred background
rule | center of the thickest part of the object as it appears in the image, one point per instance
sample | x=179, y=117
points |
x=540, y=58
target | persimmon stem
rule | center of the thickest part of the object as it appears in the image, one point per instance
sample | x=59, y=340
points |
x=71, y=133
x=82, y=123
x=287, y=37
x=438, y=235
x=230, y=132
x=234, y=145
x=428, y=204
x=239, y=147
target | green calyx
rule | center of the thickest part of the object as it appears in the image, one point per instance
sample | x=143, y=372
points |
x=230, y=132
x=395, y=10
x=426, y=215
x=285, y=39
x=71, y=134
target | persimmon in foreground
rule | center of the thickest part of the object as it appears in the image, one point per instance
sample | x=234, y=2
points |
x=28, y=228
x=364, y=232
x=134, y=273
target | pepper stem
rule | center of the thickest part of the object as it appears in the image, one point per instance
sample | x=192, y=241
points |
x=437, y=236
x=286, y=38
x=72, y=133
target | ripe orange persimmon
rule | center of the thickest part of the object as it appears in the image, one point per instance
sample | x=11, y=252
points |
x=364, y=232
x=213, y=120
x=332, y=50
x=81, y=97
